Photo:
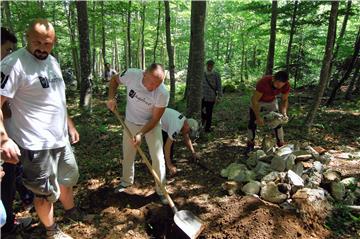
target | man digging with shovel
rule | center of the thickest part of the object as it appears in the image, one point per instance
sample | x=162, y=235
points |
x=264, y=100
x=147, y=99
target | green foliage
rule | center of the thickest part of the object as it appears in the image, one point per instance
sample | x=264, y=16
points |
x=342, y=220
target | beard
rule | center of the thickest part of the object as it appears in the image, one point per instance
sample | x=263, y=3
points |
x=41, y=55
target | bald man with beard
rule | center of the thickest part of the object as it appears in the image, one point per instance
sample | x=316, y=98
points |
x=39, y=128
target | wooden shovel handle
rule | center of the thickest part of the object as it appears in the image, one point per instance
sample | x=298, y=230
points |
x=146, y=160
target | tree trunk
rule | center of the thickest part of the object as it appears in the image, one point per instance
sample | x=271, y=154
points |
x=117, y=64
x=129, y=35
x=198, y=13
x=93, y=39
x=242, y=72
x=324, y=74
x=271, y=53
x=83, y=28
x=357, y=84
x=348, y=71
x=169, y=48
x=292, y=32
x=143, y=38
x=157, y=31
x=103, y=37
x=349, y=91
x=69, y=11
x=8, y=22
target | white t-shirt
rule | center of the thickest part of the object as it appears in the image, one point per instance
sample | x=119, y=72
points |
x=38, y=105
x=172, y=122
x=140, y=101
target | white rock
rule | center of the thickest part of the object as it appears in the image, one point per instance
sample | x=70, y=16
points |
x=318, y=166
x=295, y=179
x=331, y=175
x=349, y=181
x=284, y=150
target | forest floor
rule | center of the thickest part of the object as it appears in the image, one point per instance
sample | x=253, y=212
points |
x=138, y=212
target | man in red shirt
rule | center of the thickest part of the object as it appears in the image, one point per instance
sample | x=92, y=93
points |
x=264, y=100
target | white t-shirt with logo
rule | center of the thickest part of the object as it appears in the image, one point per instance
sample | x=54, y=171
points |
x=38, y=105
x=140, y=101
x=172, y=122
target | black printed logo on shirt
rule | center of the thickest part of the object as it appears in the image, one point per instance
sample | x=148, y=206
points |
x=44, y=82
x=4, y=80
x=180, y=117
x=174, y=135
x=132, y=93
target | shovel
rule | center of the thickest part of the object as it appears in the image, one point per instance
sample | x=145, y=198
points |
x=190, y=224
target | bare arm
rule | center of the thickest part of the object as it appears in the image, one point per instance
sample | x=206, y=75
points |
x=156, y=116
x=256, y=107
x=284, y=104
x=167, y=150
x=74, y=135
x=113, y=85
x=9, y=150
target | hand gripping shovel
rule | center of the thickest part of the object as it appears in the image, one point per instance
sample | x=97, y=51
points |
x=190, y=224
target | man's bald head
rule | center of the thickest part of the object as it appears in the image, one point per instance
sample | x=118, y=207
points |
x=40, y=38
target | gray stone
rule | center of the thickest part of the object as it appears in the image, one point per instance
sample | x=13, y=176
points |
x=271, y=177
x=271, y=193
x=285, y=150
x=314, y=180
x=298, y=169
x=268, y=144
x=290, y=162
x=262, y=169
x=252, y=160
x=252, y=187
x=331, y=176
x=245, y=176
x=278, y=163
x=295, y=179
x=337, y=190
x=326, y=158
x=318, y=166
x=302, y=155
x=349, y=181
x=233, y=170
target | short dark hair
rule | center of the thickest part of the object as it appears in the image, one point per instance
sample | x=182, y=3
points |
x=281, y=76
x=210, y=62
x=6, y=35
x=154, y=66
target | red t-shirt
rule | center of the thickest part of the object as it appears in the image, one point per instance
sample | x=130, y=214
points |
x=264, y=86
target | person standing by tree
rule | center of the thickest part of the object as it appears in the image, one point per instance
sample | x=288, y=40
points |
x=39, y=126
x=212, y=92
x=147, y=99
x=264, y=100
x=172, y=123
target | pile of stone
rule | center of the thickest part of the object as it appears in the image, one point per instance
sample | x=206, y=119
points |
x=292, y=174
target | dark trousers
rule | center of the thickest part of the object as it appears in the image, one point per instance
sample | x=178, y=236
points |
x=8, y=190
x=252, y=126
x=206, y=113
x=165, y=136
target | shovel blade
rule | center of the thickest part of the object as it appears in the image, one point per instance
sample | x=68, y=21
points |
x=190, y=224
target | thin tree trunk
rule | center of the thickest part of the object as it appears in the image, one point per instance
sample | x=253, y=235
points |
x=143, y=38
x=357, y=85
x=324, y=74
x=157, y=31
x=117, y=65
x=103, y=36
x=93, y=39
x=253, y=62
x=271, y=53
x=242, y=59
x=70, y=23
x=292, y=32
x=348, y=71
x=83, y=27
x=8, y=22
x=349, y=91
x=129, y=35
x=198, y=13
x=170, y=53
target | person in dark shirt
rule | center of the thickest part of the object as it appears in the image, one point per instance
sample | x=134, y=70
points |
x=264, y=100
